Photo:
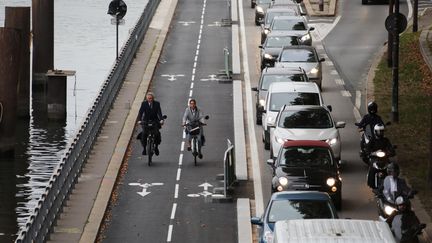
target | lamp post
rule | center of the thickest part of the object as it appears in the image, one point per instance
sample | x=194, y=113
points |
x=117, y=9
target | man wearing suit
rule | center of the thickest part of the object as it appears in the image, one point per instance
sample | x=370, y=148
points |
x=393, y=185
x=150, y=110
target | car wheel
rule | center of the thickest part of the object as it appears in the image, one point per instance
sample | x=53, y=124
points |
x=338, y=201
x=266, y=141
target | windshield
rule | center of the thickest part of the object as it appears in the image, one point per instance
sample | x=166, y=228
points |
x=281, y=41
x=299, y=209
x=288, y=24
x=263, y=1
x=306, y=157
x=277, y=100
x=270, y=15
x=309, y=118
x=298, y=55
x=275, y=78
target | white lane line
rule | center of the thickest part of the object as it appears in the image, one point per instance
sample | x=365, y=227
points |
x=170, y=229
x=259, y=199
x=345, y=93
x=176, y=191
x=195, y=64
x=196, y=58
x=333, y=72
x=192, y=85
x=182, y=146
x=181, y=159
x=190, y=93
x=197, y=52
x=329, y=63
x=358, y=99
x=178, y=174
x=193, y=78
x=339, y=81
x=173, y=211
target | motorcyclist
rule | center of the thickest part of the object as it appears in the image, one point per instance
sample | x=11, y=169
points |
x=194, y=114
x=393, y=185
x=150, y=111
x=403, y=222
x=368, y=122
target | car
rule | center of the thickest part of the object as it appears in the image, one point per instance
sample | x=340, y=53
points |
x=296, y=25
x=305, y=123
x=273, y=75
x=286, y=93
x=305, y=165
x=290, y=205
x=305, y=57
x=260, y=8
x=273, y=45
x=273, y=12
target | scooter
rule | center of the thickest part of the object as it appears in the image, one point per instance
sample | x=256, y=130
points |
x=378, y=162
x=386, y=208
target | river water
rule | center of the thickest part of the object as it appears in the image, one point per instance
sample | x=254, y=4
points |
x=84, y=41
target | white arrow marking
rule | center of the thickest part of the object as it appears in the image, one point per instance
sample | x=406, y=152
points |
x=215, y=24
x=206, y=186
x=172, y=77
x=212, y=77
x=186, y=23
x=193, y=195
x=143, y=193
x=144, y=186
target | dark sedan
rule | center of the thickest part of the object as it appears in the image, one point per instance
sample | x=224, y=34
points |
x=307, y=165
x=293, y=205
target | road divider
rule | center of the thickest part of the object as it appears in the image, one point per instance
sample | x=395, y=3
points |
x=239, y=134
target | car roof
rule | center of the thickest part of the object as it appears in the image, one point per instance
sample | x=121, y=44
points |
x=277, y=70
x=305, y=107
x=306, y=143
x=289, y=17
x=282, y=34
x=295, y=195
x=281, y=9
x=298, y=47
x=280, y=87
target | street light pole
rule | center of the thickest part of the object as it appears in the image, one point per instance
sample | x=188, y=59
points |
x=395, y=66
x=117, y=35
x=390, y=38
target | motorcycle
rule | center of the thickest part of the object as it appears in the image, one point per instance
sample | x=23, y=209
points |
x=367, y=135
x=386, y=208
x=378, y=162
x=193, y=128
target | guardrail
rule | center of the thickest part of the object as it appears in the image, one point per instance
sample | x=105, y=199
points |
x=64, y=178
x=229, y=176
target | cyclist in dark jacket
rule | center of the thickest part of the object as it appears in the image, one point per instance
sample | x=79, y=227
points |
x=150, y=111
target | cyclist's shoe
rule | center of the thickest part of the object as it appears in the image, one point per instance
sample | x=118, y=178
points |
x=200, y=156
x=189, y=148
x=156, y=151
x=144, y=152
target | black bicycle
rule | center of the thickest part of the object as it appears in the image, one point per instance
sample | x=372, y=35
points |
x=194, y=129
x=151, y=128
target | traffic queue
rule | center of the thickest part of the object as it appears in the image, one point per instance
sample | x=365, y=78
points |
x=304, y=140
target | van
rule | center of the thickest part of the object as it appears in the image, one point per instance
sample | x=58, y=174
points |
x=332, y=230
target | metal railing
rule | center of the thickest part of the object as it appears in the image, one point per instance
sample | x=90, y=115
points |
x=229, y=168
x=50, y=205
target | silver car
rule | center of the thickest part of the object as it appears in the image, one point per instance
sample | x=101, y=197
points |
x=296, y=25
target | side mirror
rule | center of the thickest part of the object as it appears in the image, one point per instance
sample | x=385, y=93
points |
x=254, y=89
x=340, y=124
x=311, y=28
x=164, y=117
x=322, y=59
x=264, y=111
x=270, y=162
x=256, y=221
x=260, y=47
x=330, y=108
x=206, y=117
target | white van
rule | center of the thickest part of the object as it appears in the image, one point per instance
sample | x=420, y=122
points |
x=287, y=93
x=332, y=230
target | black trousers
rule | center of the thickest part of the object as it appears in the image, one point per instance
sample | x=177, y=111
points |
x=145, y=134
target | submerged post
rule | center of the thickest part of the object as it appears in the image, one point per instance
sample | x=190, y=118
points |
x=9, y=66
x=43, y=40
x=57, y=93
x=19, y=18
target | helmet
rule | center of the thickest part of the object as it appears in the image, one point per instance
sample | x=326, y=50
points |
x=372, y=107
x=379, y=130
x=393, y=168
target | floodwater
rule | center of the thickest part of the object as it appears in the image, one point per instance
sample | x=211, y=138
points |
x=85, y=42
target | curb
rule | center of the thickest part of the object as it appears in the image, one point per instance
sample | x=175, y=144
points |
x=329, y=12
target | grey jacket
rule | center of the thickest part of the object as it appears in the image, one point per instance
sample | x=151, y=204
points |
x=190, y=116
x=402, y=189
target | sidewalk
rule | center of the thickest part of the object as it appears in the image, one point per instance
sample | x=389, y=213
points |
x=312, y=8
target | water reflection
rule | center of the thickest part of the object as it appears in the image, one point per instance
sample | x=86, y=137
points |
x=83, y=41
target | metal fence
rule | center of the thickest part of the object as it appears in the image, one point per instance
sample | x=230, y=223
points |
x=61, y=184
x=229, y=167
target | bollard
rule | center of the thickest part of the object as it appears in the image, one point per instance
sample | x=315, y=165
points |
x=9, y=65
x=321, y=5
x=19, y=18
x=56, y=93
x=43, y=40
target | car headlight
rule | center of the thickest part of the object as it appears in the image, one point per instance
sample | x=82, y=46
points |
x=268, y=236
x=266, y=31
x=314, y=70
x=280, y=140
x=283, y=181
x=268, y=56
x=331, y=181
x=331, y=141
x=259, y=9
x=262, y=102
x=389, y=210
x=305, y=37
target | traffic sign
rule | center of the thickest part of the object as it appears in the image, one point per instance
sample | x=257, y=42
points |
x=117, y=8
x=390, y=22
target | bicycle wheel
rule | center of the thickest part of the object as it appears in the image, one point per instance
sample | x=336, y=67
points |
x=150, y=151
x=194, y=150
